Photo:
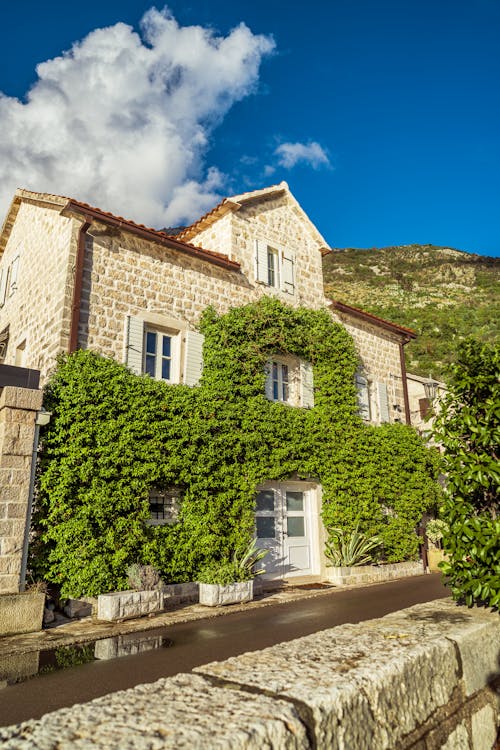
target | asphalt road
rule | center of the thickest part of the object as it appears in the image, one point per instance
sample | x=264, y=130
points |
x=195, y=643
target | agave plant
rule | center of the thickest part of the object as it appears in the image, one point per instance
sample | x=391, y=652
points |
x=350, y=548
x=249, y=559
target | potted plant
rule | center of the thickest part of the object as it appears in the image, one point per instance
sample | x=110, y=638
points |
x=435, y=554
x=231, y=581
x=144, y=597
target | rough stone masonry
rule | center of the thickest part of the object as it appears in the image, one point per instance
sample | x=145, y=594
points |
x=422, y=678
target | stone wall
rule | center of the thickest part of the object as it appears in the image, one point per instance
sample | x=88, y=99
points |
x=418, y=679
x=379, y=352
x=37, y=310
x=275, y=221
x=18, y=410
x=127, y=275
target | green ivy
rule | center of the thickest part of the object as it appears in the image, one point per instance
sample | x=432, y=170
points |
x=114, y=435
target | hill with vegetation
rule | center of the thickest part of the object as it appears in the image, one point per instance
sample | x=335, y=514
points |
x=444, y=295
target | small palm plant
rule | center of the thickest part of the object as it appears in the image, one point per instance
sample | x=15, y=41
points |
x=350, y=548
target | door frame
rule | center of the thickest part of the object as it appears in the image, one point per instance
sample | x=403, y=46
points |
x=312, y=490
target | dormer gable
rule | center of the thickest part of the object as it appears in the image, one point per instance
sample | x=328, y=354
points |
x=273, y=239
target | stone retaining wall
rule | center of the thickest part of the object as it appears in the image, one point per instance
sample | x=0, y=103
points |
x=362, y=574
x=418, y=679
x=18, y=411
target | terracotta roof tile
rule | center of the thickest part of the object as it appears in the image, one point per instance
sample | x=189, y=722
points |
x=153, y=234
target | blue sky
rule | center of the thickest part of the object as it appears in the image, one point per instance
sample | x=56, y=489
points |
x=383, y=117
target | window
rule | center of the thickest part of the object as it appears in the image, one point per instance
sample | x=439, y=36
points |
x=281, y=391
x=163, y=349
x=289, y=380
x=158, y=355
x=275, y=268
x=273, y=272
x=163, y=506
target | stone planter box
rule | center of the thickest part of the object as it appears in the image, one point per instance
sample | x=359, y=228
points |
x=435, y=556
x=217, y=595
x=124, y=605
x=362, y=574
x=21, y=613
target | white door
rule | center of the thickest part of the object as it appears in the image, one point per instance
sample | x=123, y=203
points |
x=286, y=525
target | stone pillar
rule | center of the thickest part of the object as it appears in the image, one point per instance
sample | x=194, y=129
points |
x=18, y=412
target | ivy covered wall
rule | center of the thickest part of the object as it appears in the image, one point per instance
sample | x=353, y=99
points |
x=114, y=435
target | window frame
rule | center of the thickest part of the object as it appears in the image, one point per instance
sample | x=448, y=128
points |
x=171, y=498
x=298, y=386
x=173, y=358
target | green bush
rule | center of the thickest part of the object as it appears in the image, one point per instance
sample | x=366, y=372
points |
x=468, y=428
x=114, y=435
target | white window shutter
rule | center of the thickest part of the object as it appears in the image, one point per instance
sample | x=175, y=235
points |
x=193, y=364
x=3, y=285
x=306, y=385
x=269, y=380
x=363, y=397
x=261, y=269
x=134, y=344
x=383, y=402
x=288, y=271
x=13, y=274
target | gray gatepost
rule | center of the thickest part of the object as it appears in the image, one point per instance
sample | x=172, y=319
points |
x=19, y=407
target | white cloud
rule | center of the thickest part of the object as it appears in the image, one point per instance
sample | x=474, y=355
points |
x=312, y=154
x=123, y=119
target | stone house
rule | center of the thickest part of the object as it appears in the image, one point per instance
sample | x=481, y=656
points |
x=74, y=276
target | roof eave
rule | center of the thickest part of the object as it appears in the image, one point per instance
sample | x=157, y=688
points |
x=74, y=207
x=406, y=333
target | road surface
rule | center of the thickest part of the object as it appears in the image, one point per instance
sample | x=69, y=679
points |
x=194, y=643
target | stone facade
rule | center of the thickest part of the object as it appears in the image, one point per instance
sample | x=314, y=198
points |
x=126, y=274
x=18, y=410
x=418, y=679
x=37, y=307
x=381, y=363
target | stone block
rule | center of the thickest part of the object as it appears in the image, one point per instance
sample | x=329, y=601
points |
x=21, y=613
x=16, y=510
x=9, y=493
x=184, y=711
x=10, y=565
x=9, y=583
x=475, y=633
x=484, y=729
x=21, y=398
x=10, y=546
